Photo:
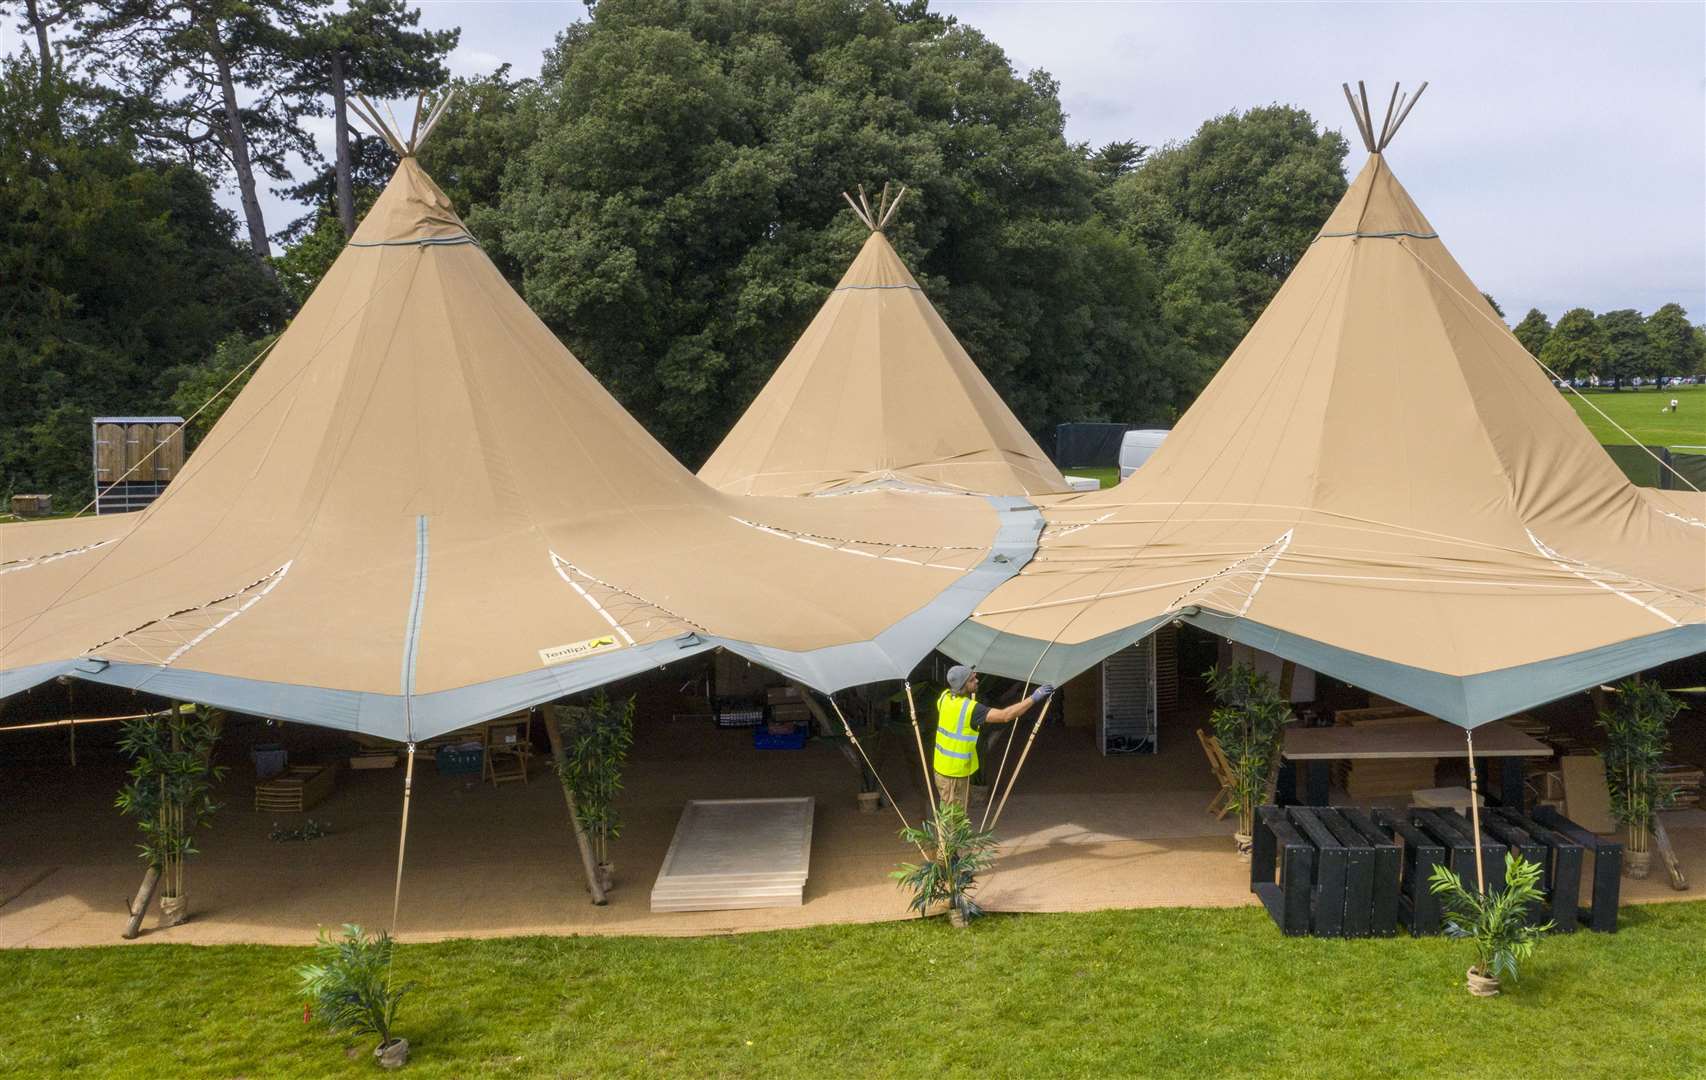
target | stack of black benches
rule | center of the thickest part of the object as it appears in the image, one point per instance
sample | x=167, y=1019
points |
x=1345, y=871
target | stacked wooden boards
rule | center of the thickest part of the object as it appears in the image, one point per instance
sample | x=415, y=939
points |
x=1372, y=778
x=296, y=789
x=737, y=853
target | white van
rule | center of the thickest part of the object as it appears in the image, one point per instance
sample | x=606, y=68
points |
x=1137, y=447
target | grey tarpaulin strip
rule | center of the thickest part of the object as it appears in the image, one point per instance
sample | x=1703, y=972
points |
x=891, y=655
x=425, y=241
x=1380, y=235
x=867, y=288
x=1466, y=700
x=412, y=636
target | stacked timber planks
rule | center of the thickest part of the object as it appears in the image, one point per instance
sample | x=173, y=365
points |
x=296, y=789
x=1365, y=778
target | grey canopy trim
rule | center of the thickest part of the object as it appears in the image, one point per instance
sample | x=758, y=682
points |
x=891, y=655
x=1380, y=235
x=861, y=288
x=1465, y=700
x=425, y=241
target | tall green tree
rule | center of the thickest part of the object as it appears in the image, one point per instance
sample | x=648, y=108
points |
x=1259, y=183
x=1576, y=347
x=1676, y=347
x=376, y=48
x=1494, y=304
x=210, y=81
x=1199, y=303
x=39, y=17
x=677, y=214
x=115, y=271
x=1533, y=331
x=1627, y=352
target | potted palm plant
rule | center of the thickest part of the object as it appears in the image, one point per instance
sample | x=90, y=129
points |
x=350, y=989
x=1636, y=728
x=1249, y=718
x=1497, y=925
x=957, y=854
x=170, y=793
x=596, y=739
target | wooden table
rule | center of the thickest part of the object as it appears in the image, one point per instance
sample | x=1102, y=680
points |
x=1426, y=737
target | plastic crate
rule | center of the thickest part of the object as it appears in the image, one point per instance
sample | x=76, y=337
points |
x=270, y=759
x=457, y=762
x=739, y=714
x=763, y=739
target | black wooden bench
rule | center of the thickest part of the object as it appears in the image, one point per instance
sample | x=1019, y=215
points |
x=1337, y=872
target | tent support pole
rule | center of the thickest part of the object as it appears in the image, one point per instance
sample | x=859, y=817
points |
x=589, y=866
x=1023, y=754
x=403, y=836
x=1475, y=814
x=923, y=760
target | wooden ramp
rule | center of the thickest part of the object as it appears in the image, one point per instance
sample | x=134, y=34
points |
x=737, y=853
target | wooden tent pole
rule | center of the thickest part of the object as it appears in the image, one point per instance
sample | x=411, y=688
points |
x=1475, y=815
x=403, y=836
x=923, y=759
x=858, y=213
x=1386, y=125
x=1405, y=112
x=589, y=865
x=1023, y=754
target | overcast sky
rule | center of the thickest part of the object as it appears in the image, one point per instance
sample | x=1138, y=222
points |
x=1560, y=149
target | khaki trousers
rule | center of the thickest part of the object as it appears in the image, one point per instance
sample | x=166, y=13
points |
x=955, y=789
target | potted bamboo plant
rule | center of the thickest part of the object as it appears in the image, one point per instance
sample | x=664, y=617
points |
x=1496, y=924
x=1636, y=728
x=596, y=739
x=957, y=854
x=350, y=989
x=1248, y=720
x=170, y=793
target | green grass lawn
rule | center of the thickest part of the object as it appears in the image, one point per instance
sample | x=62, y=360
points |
x=1173, y=993
x=1109, y=475
x=1638, y=412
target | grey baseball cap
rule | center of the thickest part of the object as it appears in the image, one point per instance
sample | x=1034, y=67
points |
x=958, y=676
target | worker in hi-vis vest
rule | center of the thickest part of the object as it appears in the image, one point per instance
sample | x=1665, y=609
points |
x=959, y=717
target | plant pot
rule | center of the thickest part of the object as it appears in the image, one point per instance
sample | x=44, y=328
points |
x=1244, y=842
x=607, y=875
x=1482, y=985
x=956, y=918
x=1637, y=864
x=869, y=801
x=393, y=1054
x=174, y=910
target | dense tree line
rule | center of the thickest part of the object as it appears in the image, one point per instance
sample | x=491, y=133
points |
x=665, y=193
x=1615, y=347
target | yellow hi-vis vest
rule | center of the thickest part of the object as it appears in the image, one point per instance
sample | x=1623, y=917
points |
x=956, y=740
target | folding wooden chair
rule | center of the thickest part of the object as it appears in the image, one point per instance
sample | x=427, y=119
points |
x=1222, y=801
x=508, y=749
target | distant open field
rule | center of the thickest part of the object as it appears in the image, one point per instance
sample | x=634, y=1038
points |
x=1638, y=411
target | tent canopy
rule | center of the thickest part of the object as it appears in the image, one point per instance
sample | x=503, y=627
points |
x=878, y=392
x=1381, y=484
x=422, y=512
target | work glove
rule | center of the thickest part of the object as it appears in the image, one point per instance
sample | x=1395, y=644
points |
x=1041, y=694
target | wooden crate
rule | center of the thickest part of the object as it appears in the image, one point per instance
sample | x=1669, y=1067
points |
x=297, y=789
x=32, y=505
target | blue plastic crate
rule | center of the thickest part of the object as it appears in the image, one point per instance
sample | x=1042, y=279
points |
x=762, y=739
x=454, y=762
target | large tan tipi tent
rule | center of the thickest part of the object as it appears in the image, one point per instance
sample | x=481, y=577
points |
x=1380, y=484
x=422, y=512
x=878, y=392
